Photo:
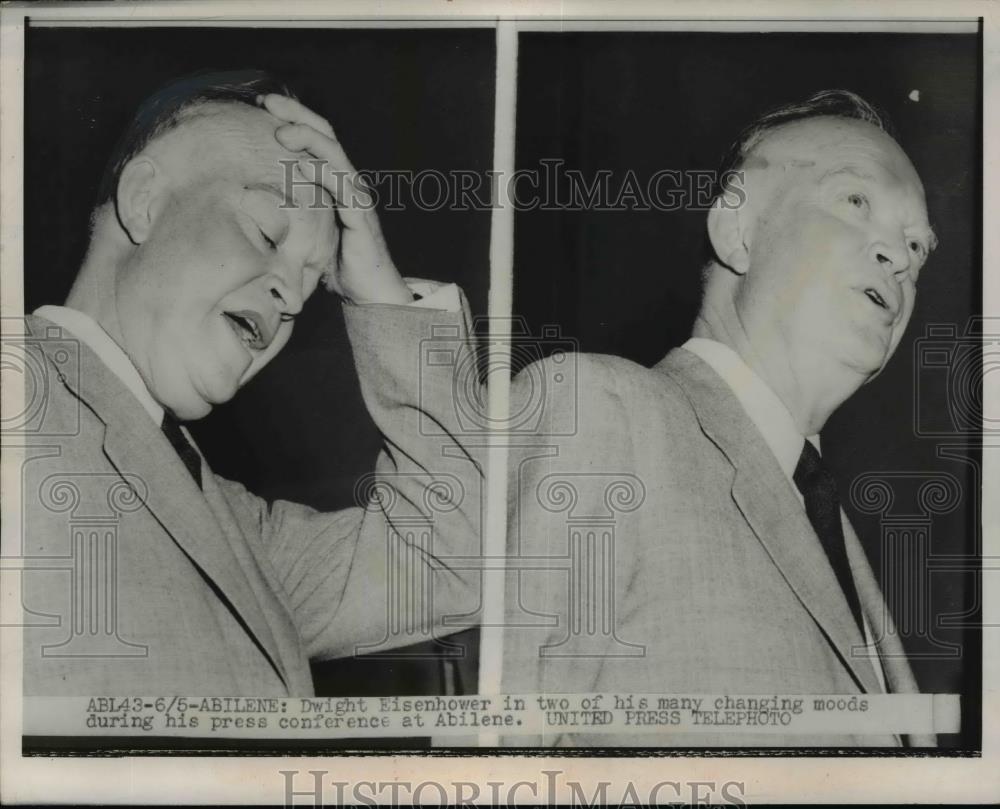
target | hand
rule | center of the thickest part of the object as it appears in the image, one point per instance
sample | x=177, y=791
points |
x=364, y=271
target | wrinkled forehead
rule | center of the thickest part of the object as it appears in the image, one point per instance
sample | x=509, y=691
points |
x=816, y=146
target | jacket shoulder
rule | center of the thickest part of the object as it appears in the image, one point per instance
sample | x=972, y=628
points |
x=580, y=393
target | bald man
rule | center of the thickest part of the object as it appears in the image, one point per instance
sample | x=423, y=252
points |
x=732, y=569
x=212, y=230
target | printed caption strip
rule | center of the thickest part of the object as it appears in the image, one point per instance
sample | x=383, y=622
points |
x=506, y=715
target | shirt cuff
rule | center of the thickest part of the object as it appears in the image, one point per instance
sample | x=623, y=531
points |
x=434, y=295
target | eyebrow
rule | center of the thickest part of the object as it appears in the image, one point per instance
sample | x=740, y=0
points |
x=275, y=191
x=854, y=171
x=861, y=174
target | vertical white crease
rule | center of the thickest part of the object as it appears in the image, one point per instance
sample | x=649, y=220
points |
x=498, y=377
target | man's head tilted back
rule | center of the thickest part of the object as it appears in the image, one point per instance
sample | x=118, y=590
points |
x=814, y=274
x=197, y=262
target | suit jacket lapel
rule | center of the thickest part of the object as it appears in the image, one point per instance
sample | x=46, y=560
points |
x=276, y=612
x=769, y=505
x=135, y=445
x=895, y=667
x=892, y=657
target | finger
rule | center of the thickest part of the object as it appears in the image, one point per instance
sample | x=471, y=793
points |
x=331, y=167
x=295, y=112
x=350, y=194
x=305, y=138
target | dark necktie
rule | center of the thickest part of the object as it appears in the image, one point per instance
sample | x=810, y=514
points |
x=819, y=491
x=188, y=454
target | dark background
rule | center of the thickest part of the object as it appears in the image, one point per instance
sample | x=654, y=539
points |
x=397, y=100
x=619, y=282
x=627, y=282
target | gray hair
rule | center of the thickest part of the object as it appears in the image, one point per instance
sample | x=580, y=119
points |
x=825, y=103
x=173, y=104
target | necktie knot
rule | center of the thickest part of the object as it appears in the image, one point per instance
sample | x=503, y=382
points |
x=810, y=470
x=188, y=454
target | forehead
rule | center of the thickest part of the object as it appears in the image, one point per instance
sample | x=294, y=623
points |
x=235, y=143
x=812, y=149
x=229, y=151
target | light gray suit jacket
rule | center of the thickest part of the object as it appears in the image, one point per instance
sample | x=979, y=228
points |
x=139, y=583
x=718, y=582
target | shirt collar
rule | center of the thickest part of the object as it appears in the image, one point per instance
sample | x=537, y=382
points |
x=109, y=352
x=762, y=405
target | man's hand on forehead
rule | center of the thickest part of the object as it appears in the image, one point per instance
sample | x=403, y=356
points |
x=364, y=270
x=305, y=131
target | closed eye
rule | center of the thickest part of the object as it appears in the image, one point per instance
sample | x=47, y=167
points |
x=268, y=240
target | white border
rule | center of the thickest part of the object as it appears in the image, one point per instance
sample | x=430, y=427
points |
x=255, y=780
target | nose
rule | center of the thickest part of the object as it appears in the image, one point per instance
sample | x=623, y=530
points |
x=285, y=286
x=892, y=256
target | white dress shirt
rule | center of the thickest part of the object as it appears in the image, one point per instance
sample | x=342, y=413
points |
x=762, y=405
x=772, y=420
x=108, y=351
x=434, y=296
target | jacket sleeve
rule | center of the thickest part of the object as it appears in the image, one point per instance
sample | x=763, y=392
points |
x=394, y=569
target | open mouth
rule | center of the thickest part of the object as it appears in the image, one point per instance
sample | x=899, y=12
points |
x=875, y=298
x=247, y=326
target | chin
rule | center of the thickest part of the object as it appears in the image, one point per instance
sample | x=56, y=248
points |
x=193, y=412
x=250, y=372
x=873, y=345
x=220, y=394
x=869, y=361
x=862, y=355
x=206, y=393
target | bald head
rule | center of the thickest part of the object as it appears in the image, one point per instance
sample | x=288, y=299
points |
x=219, y=137
x=173, y=103
x=811, y=149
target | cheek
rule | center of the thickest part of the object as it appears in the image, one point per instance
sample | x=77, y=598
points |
x=785, y=251
x=909, y=301
x=204, y=269
x=827, y=256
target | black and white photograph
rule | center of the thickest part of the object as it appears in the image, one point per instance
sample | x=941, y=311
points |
x=498, y=403
x=713, y=424
x=258, y=552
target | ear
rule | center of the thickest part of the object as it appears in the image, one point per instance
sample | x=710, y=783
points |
x=140, y=194
x=729, y=237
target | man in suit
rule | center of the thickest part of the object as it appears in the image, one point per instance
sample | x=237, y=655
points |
x=226, y=204
x=692, y=534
